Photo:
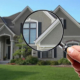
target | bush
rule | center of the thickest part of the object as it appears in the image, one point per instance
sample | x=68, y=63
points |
x=13, y=61
x=20, y=61
x=40, y=62
x=31, y=60
x=54, y=62
x=63, y=61
x=46, y=62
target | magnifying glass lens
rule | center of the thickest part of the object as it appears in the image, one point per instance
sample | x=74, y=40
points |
x=42, y=30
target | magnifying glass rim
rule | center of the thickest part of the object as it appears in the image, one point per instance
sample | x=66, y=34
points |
x=61, y=24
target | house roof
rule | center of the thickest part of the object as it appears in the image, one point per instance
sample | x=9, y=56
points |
x=11, y=19
x=67, y=14
x=22, y=13
x=7, y=21
x=6, y=25
x=52, y=14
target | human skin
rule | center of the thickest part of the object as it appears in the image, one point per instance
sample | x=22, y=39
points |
x=73, y=55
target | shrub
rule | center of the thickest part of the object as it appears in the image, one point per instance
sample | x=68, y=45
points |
x=20, y=61
x=46, y=62
x=63, y=61
x=31, y=60
x=40, y=62
x=60, y=61
x=12, y=61
x=54, y=62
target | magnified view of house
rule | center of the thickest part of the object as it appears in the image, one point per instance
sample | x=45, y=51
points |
x=41, y=29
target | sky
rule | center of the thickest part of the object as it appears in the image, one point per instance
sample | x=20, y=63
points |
x=9, y=7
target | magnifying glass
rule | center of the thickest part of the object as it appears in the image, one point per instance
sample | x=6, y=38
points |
x=42, y=30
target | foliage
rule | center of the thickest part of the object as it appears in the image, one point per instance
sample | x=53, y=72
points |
x=23, y=48
x=40, y=62
x=63, y=61
x=13, y=61
x=20, y=61
x=27, y=51
x=54, y=62
x=31, y=60
x=46, y=63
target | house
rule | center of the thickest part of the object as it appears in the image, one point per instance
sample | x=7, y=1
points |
x=10, y=28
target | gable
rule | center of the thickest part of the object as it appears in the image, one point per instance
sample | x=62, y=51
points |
x=20, y=20
x=72, y=28
x=5, y=30
x=21, y=14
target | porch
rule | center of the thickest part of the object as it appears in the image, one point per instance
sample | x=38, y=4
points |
x=6, y=48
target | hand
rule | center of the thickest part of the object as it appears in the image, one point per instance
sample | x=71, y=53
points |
x=74, y=57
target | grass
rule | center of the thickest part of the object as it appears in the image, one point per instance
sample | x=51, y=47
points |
x=16, y=72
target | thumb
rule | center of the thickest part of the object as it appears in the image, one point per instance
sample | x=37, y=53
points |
x=73, y=53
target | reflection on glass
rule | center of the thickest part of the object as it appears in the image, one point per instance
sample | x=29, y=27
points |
x=26, y=35
x=26, y=25
x=33, y=25
x=32, y=35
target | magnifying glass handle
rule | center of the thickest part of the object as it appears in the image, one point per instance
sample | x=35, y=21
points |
x=63, y=46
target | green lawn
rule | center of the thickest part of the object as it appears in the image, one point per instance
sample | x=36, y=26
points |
x=16, y=72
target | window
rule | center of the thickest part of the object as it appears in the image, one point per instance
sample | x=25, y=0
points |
x=8, y=41
x=29, y=32
x=47, y=54
x=38, y=54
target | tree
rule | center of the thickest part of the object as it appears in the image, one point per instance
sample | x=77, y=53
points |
x=24, y=49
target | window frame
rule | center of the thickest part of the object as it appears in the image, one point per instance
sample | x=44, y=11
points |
x=30, y=29
x=47, y=54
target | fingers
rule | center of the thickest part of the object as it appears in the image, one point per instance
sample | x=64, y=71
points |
x=74, y=57
x=70, y=59
x=77, y=47
x=74, y=53
x=75, y=64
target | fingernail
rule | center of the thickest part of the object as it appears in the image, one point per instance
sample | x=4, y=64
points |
x=70, y=50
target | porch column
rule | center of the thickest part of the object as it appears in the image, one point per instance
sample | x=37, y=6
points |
x=11, y=55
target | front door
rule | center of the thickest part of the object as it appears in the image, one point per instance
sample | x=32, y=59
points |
x=8, y=52
x=7, y=48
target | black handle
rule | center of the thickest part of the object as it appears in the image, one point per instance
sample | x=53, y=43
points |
x=64, y=47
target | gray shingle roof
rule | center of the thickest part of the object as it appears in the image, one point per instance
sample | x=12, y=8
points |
x=8, y=20
x=1, y=22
